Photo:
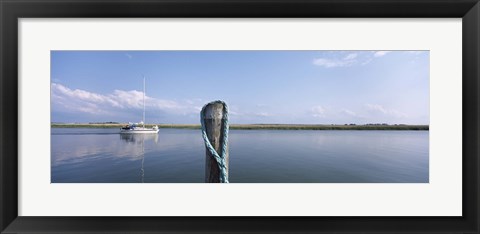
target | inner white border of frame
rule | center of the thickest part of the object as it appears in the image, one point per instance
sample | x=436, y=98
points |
x=441, y=197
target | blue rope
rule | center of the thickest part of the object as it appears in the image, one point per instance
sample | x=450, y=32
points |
x=221, y=159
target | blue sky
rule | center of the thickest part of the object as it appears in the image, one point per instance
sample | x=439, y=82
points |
x=291, y=87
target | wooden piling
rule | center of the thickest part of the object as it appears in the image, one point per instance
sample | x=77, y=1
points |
x=214, y=129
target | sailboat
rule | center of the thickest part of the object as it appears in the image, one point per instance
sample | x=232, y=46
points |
x=134, y=128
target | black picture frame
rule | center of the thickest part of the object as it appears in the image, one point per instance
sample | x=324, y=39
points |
x=11, y=11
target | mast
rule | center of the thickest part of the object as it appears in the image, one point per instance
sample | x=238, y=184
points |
x=143, y=102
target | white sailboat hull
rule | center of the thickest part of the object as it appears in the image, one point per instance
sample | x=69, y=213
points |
x=139, y=131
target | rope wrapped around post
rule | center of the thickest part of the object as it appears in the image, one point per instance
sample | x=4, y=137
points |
x=220, y=158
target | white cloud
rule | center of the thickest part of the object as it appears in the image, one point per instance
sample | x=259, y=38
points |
x=328, y=63
x=129, y=56
x=350, y=56
x=380, y=53
x=349, y=113
x=318, y=111
x=332, y=60
x=376, y=107
x=367, y=61
x=397, y=114
x=379, y=109
x=77, y=100
x=415, y=52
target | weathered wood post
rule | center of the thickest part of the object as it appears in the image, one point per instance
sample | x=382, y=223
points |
x=213, y=114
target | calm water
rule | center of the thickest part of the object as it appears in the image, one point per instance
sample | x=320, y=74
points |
x=256, y=156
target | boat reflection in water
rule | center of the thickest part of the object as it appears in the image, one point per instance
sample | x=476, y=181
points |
x=140, y=139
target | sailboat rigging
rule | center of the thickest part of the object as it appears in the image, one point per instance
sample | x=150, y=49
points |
x=133, y=128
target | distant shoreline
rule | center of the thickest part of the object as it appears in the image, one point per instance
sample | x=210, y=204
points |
x=261, y=126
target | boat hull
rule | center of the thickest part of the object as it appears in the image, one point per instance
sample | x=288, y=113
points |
x=139, y=131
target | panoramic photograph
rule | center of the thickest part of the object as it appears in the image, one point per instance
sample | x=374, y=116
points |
x=219, y=116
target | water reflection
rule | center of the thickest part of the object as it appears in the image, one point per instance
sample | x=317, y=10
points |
x=140, y=139
x=256, y=156
x=78, y=148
